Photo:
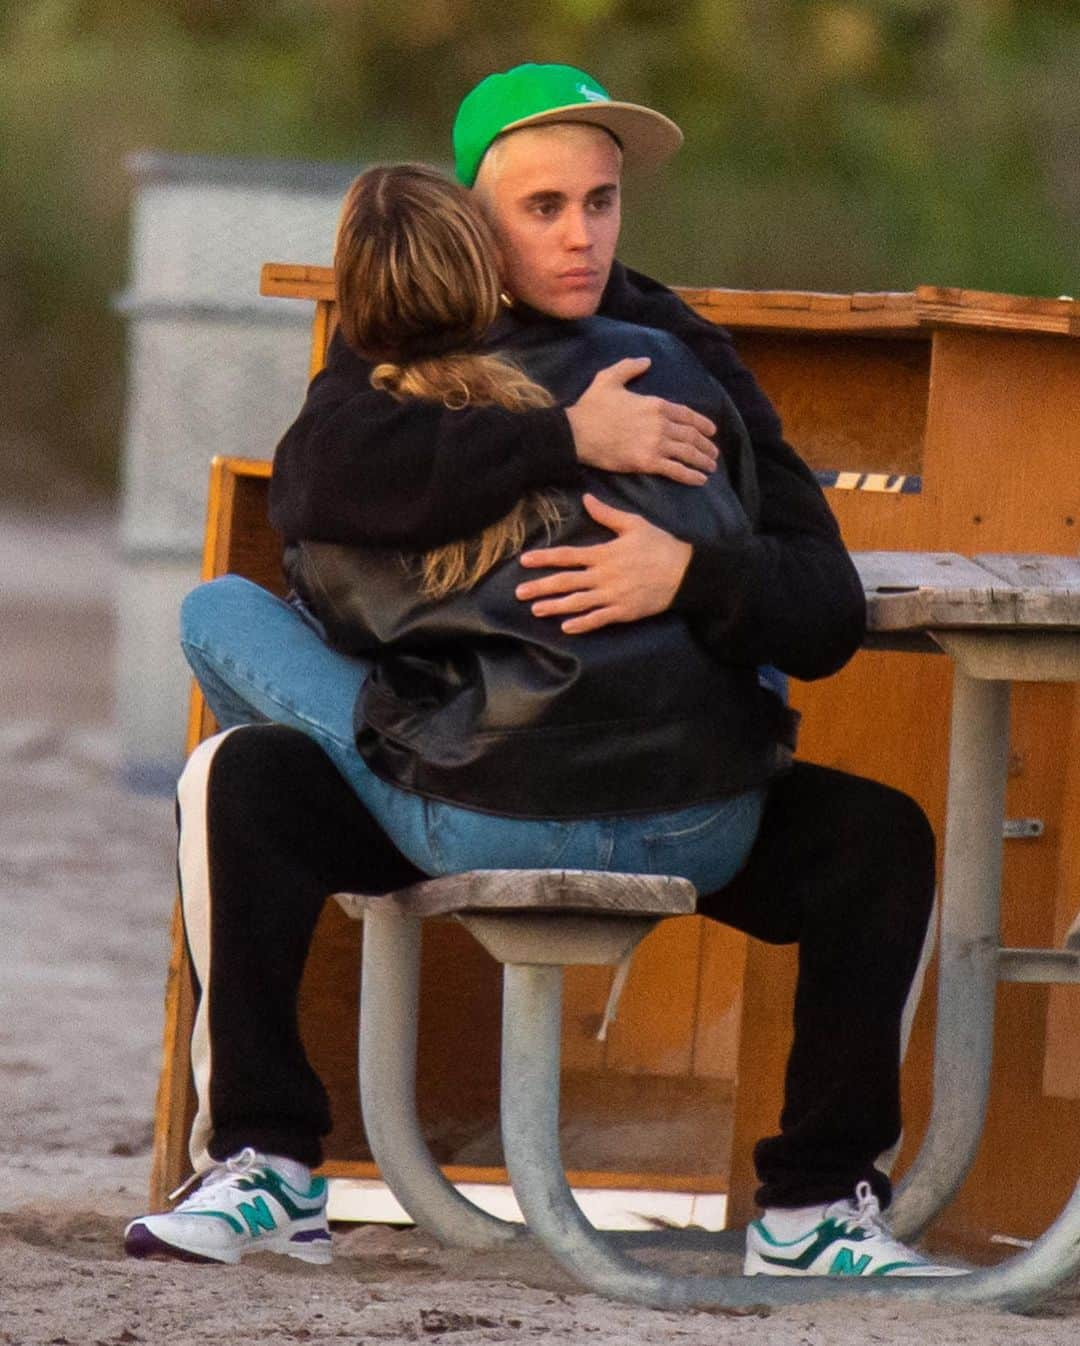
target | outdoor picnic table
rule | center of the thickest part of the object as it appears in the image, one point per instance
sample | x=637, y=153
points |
x=1000, y=619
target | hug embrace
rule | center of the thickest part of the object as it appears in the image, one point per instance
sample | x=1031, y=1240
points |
x=552, y=563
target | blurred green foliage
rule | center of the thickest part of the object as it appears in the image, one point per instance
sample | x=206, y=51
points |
x=831, y=144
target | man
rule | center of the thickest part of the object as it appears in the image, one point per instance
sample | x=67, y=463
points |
x=844, y=867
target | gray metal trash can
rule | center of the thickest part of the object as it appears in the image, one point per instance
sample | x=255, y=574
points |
x=213, y=368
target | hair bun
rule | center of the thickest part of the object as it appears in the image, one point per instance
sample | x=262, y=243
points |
x=387, y=376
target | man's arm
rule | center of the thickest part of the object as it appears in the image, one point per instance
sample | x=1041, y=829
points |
x=359, y=466
x=619, y=430
x=789, y=595
x=635, y=575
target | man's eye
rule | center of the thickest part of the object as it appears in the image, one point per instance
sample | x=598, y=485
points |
x=545, y=209
x=601, y=205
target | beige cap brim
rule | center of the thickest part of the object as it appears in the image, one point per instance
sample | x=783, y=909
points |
x=648, y=138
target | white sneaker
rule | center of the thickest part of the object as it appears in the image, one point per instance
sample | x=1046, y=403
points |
x=242, y=1206
x=846, y=1238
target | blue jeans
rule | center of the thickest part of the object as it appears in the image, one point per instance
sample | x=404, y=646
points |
x=257, y=659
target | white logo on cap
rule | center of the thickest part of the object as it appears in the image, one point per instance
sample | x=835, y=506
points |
x=591, y=96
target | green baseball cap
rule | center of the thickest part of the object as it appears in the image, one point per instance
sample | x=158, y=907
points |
x=532, y=95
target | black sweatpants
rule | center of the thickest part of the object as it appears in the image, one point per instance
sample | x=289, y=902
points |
x=843, y=866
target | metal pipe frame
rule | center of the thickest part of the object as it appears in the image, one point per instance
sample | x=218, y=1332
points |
x=1046, y=967
x=389, y=1005
x=968, y=952
x=971, y=963
x=530, y=1124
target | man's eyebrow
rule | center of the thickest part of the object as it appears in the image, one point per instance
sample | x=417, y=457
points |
x=544, y=198
x=605, y=189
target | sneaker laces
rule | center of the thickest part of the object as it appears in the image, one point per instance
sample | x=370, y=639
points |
x=244, y=1164
x=866, y=1214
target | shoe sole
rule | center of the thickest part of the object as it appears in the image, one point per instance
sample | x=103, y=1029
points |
x=141, y=1243
x=869, y=1276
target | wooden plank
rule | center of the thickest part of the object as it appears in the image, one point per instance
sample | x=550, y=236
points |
x=970, y=609
x=646, y=1122
x=323, y=327
x=739, y=308
x=947, y=305
x=282, y=280
x=653, y=1031
x=535, y=890
x=829, y=393
x=720, y=979
x=225, y=531
x=228, y=530
x=806, y=311
x=1034, y=570
x=174, y=1106
x=239, y=539
x=922, y=591
x=802, y=310
x=1003, y=443
x=607, y=1180
x=887, y=572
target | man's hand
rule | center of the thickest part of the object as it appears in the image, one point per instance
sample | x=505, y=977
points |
x=634, y=575
x=621, y=431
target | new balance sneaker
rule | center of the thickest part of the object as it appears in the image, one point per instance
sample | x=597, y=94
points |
x=846, y=1238
x=242, y=1206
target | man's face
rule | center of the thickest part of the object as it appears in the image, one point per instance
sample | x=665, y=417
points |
x=552, y=195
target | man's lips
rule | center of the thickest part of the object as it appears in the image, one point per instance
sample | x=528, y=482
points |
x=579, y=276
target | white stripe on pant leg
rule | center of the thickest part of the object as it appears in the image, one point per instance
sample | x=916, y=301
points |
x=886, y=1161
x=915, y=993
x=193, y=858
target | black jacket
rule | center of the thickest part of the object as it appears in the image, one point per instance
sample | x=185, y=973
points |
x=474, y=700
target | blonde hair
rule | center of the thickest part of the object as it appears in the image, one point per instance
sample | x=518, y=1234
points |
x=494, y=158
x=417, y=288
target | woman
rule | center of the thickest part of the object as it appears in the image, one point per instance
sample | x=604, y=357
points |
x=486, y=736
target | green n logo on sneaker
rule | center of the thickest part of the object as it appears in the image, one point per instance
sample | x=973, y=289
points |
x=257, y=1216
x=844, y=1263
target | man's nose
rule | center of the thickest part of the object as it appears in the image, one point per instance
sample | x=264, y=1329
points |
x=576, y=233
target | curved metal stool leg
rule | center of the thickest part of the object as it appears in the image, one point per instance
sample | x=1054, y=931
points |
x=968, y=956
x=530, y=1122
x=389, y=998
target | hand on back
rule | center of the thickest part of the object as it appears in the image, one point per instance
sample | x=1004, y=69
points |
x=635, y=575
x=623, y=431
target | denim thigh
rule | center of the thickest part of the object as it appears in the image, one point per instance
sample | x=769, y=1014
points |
x=256, y=659
x=705, y=843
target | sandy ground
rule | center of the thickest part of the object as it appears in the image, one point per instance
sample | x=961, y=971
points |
x=87, y=888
